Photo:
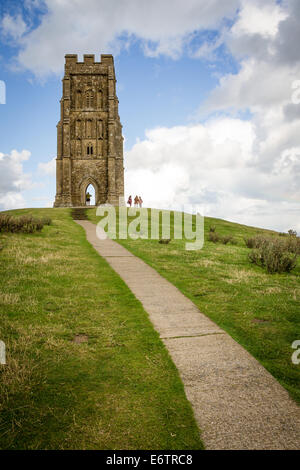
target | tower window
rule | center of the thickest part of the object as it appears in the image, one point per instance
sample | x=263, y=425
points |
x=89, y=98
x=78, y=128
x=99, y=99
x=89, y=149
x=89, y=128
x=78, y=99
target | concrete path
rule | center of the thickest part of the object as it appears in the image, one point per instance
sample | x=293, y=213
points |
x=237, y=403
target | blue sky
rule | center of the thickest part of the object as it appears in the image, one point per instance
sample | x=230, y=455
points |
x=205, y=100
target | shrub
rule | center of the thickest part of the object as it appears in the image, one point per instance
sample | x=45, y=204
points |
x=249, y=242
x=293, y=244
x=164, y=241
x=273, y=254
x=255, y=242
x=226, y=239
x=214, y=237
x=292, y=233
x=24, y=224
x=212, y=228
x=46, y=221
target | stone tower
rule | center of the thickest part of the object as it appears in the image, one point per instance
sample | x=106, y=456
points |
x=89, y=134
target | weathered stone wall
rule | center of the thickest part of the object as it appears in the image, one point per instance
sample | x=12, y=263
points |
x=89, y=134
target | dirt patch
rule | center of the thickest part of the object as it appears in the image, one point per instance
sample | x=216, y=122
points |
x=80, y=339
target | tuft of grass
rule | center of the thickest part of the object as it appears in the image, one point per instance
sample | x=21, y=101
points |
x=231, y=291
x=85, y=368
x=215, y=237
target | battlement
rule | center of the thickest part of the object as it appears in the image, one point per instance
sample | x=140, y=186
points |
x=107, y=59
x=71, y=58
x=89, y=59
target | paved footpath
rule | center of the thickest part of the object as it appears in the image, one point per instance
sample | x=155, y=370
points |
x=237, y=403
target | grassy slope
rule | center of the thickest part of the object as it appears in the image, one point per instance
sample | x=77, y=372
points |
x=259, y=310
x=120, y=390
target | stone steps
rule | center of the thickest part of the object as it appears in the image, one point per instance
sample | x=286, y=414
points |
x=79, y=213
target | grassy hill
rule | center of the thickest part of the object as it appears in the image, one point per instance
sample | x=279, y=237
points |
x=85, y=368
x=261, y=311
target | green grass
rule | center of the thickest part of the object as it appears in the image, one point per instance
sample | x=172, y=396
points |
x=259, y=310
x=119, y=390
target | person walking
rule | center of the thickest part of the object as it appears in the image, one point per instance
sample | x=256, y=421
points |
x=129, y=201
x=140, y=201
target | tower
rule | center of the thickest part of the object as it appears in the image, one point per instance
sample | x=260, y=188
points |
x=89, y=134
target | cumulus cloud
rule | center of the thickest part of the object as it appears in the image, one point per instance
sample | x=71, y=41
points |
x=288, y=35
x=47, y=168
x=13, y=180
x=261, y=37
x=13, y=26
x=212, y=165
x=97, y=25
x=257, y=17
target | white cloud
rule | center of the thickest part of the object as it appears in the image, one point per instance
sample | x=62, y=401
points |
x=263, y=35
x=258, y=17
x=48, y=168
x=13, y=27
x=98, y=25
x=13, y=180
x=214, y=165
x=242, y=170
x=259, y=84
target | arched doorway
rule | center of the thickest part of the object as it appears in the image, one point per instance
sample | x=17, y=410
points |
x=91, y=193
x=89, y=186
